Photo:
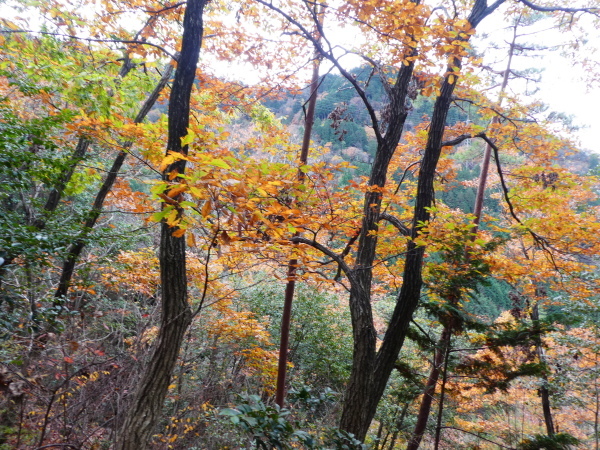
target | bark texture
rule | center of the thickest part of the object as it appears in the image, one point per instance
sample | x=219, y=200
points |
x=429, y=391
x=544, y=392
x=371, y=369
x=145, y=410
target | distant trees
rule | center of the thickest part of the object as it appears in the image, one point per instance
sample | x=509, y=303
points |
x=110, y=221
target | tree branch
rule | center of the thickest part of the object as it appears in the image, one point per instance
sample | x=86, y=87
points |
x=459, y=139
x=326, y=251
x=307, y=35
x=119, y=41
x=501, y=175
x=478, y=436
x=594, y=11
x=403, y=229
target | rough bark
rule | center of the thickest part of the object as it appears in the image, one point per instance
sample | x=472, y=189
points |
x=429, y=391
x=92, y=216
x=544, y=392
x=144, y=412
x=371, y=370
x=359, y=402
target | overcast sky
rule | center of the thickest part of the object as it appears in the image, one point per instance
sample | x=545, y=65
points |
x=563, y=86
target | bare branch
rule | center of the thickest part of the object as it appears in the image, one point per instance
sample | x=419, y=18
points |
x=166, y=8
x=403, y=229
x=458, y=140
x=501, y=175
x=327, y=54
x=326, y=251
x=345, y=252
x=594, y=11
x=478, y=436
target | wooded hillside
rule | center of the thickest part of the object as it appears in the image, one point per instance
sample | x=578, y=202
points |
x=398, y=253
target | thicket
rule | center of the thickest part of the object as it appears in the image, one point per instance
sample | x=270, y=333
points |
x=416, y=320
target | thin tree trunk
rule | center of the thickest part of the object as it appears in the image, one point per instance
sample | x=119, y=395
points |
x=597, y=411
x=438, y=428
x=290, y=286
x=398, y=426
x=429, y=391
x=145, y=411
x=544, y=392
x=92, y=216
x=485, y=163
x=79, y=153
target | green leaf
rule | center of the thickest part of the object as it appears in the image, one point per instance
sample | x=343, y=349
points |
x=188, y=138
x=219, y=163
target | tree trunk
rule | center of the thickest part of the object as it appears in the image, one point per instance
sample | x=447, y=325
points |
x=79, y=153
x=370, y=369
x=144, y=413
x=544, y=392
x=429, y=391
x=92, y=216
x=425, y=408
x=290, y=286
x=360, y=402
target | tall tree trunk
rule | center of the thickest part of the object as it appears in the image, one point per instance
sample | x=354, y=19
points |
x=438, y=428
x=371, y=369
x=429, y=391
x=290, y=286
x=92, y=216
x=360, y=399
x=544, y=392
x=144, y=413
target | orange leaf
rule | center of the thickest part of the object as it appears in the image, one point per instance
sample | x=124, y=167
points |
x=179, y=232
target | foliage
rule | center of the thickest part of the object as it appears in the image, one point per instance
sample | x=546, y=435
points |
x=319, y=338
x=266, y=425
x=520, y=293
x=559, y=441
x=274, y=428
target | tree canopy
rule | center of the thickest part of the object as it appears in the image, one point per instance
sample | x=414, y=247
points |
x=171, y=173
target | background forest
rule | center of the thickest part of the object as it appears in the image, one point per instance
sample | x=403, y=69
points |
x=295, y=224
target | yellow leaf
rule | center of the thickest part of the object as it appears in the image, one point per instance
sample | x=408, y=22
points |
x=188, y=138
x=196, y=192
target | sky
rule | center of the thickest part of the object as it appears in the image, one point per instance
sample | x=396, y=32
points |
x=565, y=91
x=562, y=87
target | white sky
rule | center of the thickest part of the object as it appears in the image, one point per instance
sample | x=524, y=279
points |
x=563, y=89
x=562, y=86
